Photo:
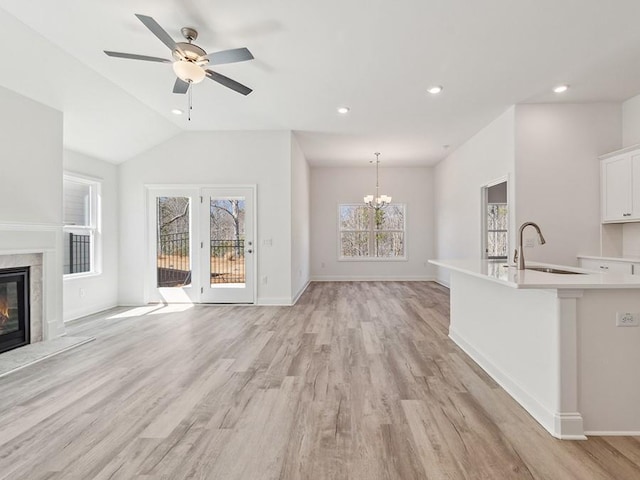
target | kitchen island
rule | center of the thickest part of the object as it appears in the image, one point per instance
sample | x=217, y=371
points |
x=551, y=341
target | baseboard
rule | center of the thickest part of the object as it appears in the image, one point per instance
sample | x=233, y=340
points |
x=84, y=312
x=442, y=283
x=570, y=424
x=274, y=301
x=606, y=433
x=371, y=278
x=300, y=292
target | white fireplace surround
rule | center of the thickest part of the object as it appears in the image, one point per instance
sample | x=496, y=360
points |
x=38, y=246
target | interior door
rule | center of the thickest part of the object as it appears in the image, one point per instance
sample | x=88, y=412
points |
x=227, y=232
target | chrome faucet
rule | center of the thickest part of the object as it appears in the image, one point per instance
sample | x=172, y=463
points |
x=518, y=256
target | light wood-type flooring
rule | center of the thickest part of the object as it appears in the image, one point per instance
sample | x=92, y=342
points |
x=357, y=381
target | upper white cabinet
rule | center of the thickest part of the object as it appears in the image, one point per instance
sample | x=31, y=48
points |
x=620, y=177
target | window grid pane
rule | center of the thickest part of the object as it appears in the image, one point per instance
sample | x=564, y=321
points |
x=354, y=244
x=354, y=218
x=368, y=233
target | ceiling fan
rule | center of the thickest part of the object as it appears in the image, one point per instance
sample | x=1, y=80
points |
x=190, y=61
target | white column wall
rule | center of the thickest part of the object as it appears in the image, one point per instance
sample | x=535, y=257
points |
x=300, y=220
x=31, y=193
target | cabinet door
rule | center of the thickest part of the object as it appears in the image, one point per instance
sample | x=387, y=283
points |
x=635, y=187
x=616, y=200
x=605, y=266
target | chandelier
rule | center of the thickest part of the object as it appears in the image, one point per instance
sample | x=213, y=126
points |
x=379, y=201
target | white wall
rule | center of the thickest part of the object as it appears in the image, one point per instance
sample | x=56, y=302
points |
x=300, y=219
x=31, y=165
x=631, y=136
x=333, y=186
x=631, y=122
x=459, y=178
x=87, y=295
x=557, y=174
x=212, y=158
x=100, y=118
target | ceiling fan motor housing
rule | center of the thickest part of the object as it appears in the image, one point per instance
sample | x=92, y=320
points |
x=188, y=51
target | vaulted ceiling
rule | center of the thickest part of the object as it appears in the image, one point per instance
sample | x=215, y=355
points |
x=376, y=57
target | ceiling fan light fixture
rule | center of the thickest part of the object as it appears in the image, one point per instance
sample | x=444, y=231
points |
x=188, y=71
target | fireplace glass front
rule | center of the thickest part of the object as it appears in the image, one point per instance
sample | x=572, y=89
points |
x=14, y=308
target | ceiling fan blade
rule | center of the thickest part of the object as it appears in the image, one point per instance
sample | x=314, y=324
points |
x=157, y=30
x=180, y=86
x=134, y=56
x=227, y=82
x=229, y=56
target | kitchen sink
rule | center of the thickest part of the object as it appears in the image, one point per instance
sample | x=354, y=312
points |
x=553, y=270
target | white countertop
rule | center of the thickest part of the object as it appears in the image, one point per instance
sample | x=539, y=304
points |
x=499, y=272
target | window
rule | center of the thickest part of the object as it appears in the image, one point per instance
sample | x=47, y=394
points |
x=497, y=221
x=375, y=234
x=80, y=205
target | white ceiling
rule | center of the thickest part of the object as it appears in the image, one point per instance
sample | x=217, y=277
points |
x=375, y=56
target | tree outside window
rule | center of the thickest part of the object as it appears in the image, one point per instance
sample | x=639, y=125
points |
x=497, y=236
x=368, y=233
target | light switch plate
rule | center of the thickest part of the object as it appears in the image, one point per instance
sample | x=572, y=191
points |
x=627, y=319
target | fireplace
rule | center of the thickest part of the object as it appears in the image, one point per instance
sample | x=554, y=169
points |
x=14, y=308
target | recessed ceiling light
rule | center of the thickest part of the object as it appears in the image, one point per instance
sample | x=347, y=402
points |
x=177, y=111
x=343, y=110
x=561, y=88
x=435, y=89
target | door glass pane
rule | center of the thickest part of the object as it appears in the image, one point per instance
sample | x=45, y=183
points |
x=227, y=234
x=173, y=231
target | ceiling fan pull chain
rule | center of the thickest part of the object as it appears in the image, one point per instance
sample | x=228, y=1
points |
x=190, y=100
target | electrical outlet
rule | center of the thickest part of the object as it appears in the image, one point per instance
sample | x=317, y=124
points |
x=265, y=279
x=81, y=292
x=627, y=319
x=322, y=265
x=529, y=242
x=267, y=242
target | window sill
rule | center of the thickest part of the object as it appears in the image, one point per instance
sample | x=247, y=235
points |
x=78, y=276
x=372, y=259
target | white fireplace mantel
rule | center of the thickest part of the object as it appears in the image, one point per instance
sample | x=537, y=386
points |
x=45, y=239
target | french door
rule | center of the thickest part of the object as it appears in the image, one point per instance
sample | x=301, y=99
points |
x=227, y=266
x=201, y=245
